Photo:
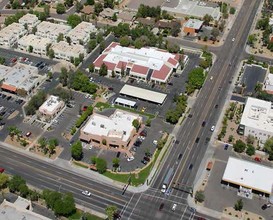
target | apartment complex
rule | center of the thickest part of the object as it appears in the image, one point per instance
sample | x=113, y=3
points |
x=38, y=44
x=50, y=108
x=51, y=30
x=30, y=20
x=116, y=130
x=20, y=79
x=147, y=64
x=81, y=33
x=63, y=50
x=257, y=119
x=9, y=35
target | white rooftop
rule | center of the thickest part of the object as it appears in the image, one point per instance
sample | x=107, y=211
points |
x=28, y=19
x=118, y=125
x=35, y=41
x=144, y=94
x=147, y=57
x=12, y=30
x=193, y=23
x=258, y=114
x=125, y=101
x=249, y=175
x=73, y=50
x=3, y=71
x=50, y=105
x=269, y=83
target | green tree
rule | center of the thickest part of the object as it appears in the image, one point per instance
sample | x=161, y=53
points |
x=68, y=3
x=136, y=124
x=232, y=10
x=23, y=190
x=114, y=17
x=76, y=150
x=239, y=205
x=73, y=20
x=77, y=61
x=98, y=8
x=250, y=139
x=60, y=8
x=124, y=41
x=14, y=131
x=52, y=144
x=268, y=147
x=110, y=211
x=15, y=4
x=68, y=40
x=250, y=150
x=91, y=68
x=60, y=37
x=251, y=39
x=30, y=49
x=47, y=10
x=115, y=162
x=2, y=60
x=108, y=4
x=239, y=146
x=91, y=45
x=4, y=179
x=51, y=53
x=101, y=165
x=99, y=37
x=43, y=144
x=207, y=19
x=15, y=182
x=63, y=76
x=93, y=159
x=35, y=102
x=90, y=2
x=199, y=196
x=215, y=32
x=196, y=79
x=103, y=70
x=148, y=122
x=79, y=6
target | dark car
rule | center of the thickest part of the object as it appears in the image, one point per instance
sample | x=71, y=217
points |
x=226, y=146
x=203, y=124
x=143, y=133
x=170, y=83
x=191, y=166
x=144, y=162
x=9, y=97
x=137, y=143
x=118, y=154
x=265, y=206
x=19, y=101
x=4, y=96
x=147, y=158
x=216, y=106
x=2, y=123
x=2, y=170
x=148, y=154
x=111, y=88
x=39, y=64
x=161, y=206
x=2, y=113
x=180, y=156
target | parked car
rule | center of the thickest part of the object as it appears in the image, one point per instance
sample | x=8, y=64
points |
x=161, y=206
x=265, y=206
x=2, y=170
x=148, y=154
x=84, y=108
x=146, y=158
x=28, y=134
x=180, y=156
x=143, y=133
x=9, y=97
x=192, y=209
x=174, y=207
x=258, y=159
x=212, y=128
x=118, y=154
x=191, y=166
x=144, y=162
x=130, y=158
x=226, y=146
x=86, y=193
x=203, y=124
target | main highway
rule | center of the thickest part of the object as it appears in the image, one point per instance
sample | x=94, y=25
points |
x=191, y=142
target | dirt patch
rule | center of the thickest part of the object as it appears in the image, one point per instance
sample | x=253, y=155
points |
x=36, y=150
x=244, y=215
x=17, y=142
x=13, y=115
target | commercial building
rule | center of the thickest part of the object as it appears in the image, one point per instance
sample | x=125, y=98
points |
x=146, y=64
x=197, y=9
x=20, y=209
x=257, y=119
x=9, y=35
x=143, y=94
x=114, y=131
x=80, y=34
x=51, y=30
x=268, y=84
x=63, y=50
x=38, y=44
x=30, y=20
x=125, y=102
x=20, y=79
x=192, y=26
x=249, y=177
x=50, y=108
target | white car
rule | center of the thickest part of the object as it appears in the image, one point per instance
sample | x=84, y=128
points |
x=174, y=207
x=86, y=193
x=233, y=39
x=130, y=158
x=212, y=128
x=211, y=78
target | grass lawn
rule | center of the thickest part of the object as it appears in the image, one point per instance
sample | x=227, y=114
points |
x=78, y=214
x=80, y=164
x=136, y=180
x=102, y=106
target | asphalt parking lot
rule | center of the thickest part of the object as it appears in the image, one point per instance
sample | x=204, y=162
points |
x=251, y=76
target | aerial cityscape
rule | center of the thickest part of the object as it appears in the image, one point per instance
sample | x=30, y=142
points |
x=138, y=110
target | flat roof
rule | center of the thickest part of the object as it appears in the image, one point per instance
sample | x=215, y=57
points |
x=50, y=105
x=194, y=23
x=249, y=174
x=144, y=94
x=258, y=114
x=125, y=101
x=118, y=125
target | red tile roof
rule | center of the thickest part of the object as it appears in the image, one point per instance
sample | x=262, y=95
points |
x=110, y=66
x=177, y=56
x=99, y=61
x=140, y=69
x=162, y=73
x=172, y=61
x=9, y=87
x=112, y=45
x=121, y=64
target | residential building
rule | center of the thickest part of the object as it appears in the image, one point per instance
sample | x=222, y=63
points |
x=114, y=131
x=88, y=9
x=63, y=50
x=249, y=177
x=126, y=16
x=9, y=35
x=30, y=20
x=146, y=64
x=51, y=30
x=50, y=108
x=192, y=26
x=108, y=13
x=167, y=24
x=257, y=120
x=20, y=209
x=38, y=44
x=81, y=33
x=146, y=21
x=21, y=79
x=268, y=84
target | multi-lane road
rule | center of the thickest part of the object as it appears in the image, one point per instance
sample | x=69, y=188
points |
x=146, y=205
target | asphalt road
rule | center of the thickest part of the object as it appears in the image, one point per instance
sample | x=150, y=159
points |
x=146, y=205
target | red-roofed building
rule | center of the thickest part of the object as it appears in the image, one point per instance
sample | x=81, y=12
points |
x=139, y=72
x=99, y=61
x=162, y=75
x=174, y=63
